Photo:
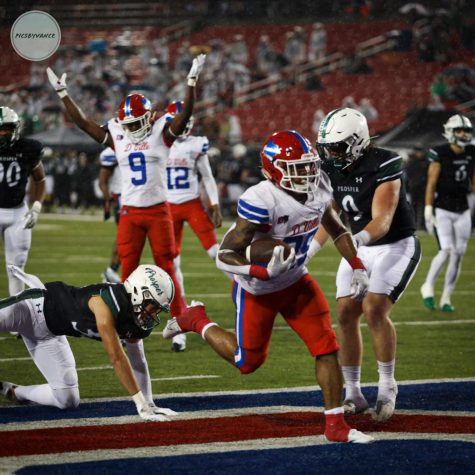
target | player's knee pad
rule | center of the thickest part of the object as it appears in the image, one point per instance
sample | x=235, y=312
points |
x=213, y=251
x=252, y=360
x=67, y=398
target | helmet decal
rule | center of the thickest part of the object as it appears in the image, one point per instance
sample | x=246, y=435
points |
x=271, y=149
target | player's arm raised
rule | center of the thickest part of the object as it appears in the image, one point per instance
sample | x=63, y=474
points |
x=91, y=128
x=178, y=124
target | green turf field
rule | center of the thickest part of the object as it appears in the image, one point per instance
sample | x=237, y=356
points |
x=430, y=344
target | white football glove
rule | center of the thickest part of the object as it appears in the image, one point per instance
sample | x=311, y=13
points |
x=31, y=216
x=429, y=219
x=196, y=68
x=359, y=284
x=148, y=411
x=278, y=264
x=59, y=84
x=161, y=410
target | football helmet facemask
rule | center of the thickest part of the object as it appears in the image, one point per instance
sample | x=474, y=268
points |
x=458, y=130
x=9, y=127
x=343, y=136
x=175, y=108
x=151, y=291
x=134, y=116
x=290, y=162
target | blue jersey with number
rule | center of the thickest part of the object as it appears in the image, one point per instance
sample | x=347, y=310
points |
x=283, y=217
x=142, y=165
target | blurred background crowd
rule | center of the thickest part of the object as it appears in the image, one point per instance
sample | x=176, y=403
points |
x=270, y=65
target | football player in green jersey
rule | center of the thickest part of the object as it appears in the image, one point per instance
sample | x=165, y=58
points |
x=368, y=188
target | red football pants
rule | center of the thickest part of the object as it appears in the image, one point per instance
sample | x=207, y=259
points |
x=304, y=308
x=198, y=219
x=154, y=222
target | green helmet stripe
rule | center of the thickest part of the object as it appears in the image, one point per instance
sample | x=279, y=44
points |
x=325, y=122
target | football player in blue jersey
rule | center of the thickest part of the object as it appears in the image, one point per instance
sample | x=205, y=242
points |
x=450, y=178
x=368, y=188
x=45, y=313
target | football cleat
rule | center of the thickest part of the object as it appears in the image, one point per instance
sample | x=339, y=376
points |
x=179, y=343
x=355, y=405
x=385, y=405
x=186, y=322
x=6, y=389
x=111, y=276
x=447, y=307
x=427, y=292
x=341, y=432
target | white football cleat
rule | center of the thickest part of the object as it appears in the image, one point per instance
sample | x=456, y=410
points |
x=385, y=405
x=179, y=343
x=357, y=437
x=355, y=405
x=111, y=276
x=171, y=329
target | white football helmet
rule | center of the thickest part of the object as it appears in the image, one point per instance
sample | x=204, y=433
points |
x=9, y=127
x=151, y=291
x=458, y=130
x=343, y=136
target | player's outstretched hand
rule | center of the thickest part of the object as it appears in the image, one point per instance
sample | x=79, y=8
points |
x=359, y=284
x=148, y=411
x=31, y=216
x=196, y=68
x=59, y=84
x=278, y=264
x=162, y=410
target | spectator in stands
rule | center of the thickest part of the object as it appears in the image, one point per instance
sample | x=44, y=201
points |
x=314, y=83
x=368, y=110
x=357, y=65
x=349, y=101
x=317, y=46
x=415, y=173
x=238, y=50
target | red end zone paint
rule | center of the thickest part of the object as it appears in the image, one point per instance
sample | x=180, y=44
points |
x=200, y=431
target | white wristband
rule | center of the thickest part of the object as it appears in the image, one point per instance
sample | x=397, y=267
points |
x=62, y=93
x=362, y=238
x=139, y=400
x=36, y=207
x=191, y=82
x=314, y=247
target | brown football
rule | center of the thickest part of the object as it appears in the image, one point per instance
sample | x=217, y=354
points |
x=260, y=250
